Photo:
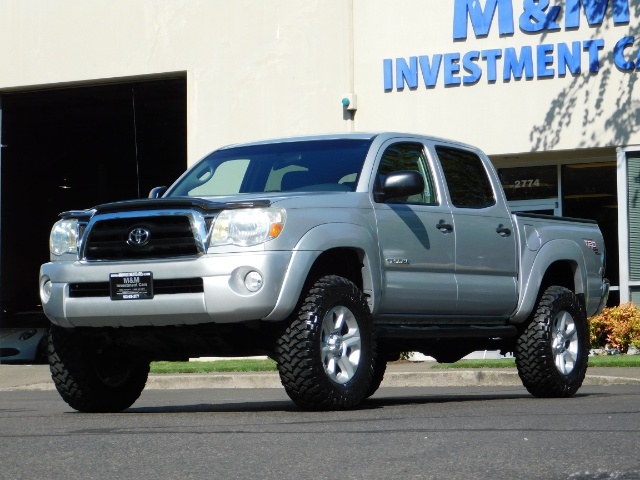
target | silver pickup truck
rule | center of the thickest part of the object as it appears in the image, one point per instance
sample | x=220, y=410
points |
x=331, y=254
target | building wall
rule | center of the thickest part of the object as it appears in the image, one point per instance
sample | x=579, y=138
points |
x=281, y=67
x=254, y=69
x=552, y=112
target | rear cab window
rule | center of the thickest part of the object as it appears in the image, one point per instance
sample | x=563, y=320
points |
x=467, y=180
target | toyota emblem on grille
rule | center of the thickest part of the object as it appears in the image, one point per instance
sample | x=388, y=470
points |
x=139, y=236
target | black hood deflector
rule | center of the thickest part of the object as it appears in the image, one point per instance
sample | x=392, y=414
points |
x=200, y=204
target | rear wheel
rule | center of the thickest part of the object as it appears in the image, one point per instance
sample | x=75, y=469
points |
x=92, y=379
x=326, y=355
x=379, y=370
x=552, y=353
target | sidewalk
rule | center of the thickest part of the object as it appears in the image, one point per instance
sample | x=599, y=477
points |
x=404, y=374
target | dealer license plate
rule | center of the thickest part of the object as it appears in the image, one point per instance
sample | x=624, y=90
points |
x=131, y=285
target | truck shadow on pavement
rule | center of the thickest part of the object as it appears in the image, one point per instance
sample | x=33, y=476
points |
x=385, y=401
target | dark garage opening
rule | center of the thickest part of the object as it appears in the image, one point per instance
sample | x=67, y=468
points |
x=70, y=149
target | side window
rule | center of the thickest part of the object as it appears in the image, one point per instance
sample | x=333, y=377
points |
x=408, y=156
x=467, y=180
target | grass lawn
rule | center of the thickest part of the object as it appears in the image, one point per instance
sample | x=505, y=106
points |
x=236, y=365
x=595, y=361
x=258, y=365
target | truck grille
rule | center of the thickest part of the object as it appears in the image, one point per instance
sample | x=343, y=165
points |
x=166, y=236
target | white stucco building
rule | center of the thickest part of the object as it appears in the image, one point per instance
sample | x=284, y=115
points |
x=102, y=100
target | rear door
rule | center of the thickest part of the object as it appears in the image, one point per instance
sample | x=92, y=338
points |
x=485, y=251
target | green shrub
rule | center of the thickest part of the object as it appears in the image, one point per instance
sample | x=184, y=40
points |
x=598, y=329
x=617, y=326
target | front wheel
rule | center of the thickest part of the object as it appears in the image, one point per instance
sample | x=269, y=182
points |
x=552, y=353
x=327, y=354
x=91, y=378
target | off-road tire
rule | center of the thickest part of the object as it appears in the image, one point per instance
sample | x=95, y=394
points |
x=552, y=352
x=311, y=380
x=90, y=380
x=379, y=369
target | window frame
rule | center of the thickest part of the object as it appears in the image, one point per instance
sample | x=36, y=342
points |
x=425, y=168
x=487, y=177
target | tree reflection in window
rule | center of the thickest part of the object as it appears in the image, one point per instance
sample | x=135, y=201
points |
x=467, y=180
x=408, y=156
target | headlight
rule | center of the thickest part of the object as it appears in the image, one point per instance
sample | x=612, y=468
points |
x=247, y=226
x=64, y=237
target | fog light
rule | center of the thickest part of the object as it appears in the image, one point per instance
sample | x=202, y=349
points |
x=45, y=291
x=253, y=281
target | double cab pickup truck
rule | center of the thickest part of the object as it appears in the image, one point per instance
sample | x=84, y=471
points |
x=330, y=254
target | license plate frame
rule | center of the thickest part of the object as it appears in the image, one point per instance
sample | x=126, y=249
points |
x=131, y=285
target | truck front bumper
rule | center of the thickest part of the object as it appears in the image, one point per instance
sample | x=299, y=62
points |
x=222, y=297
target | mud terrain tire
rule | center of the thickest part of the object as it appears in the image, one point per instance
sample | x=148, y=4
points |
x=92, y=380
x=552, y=353
x=326, y=356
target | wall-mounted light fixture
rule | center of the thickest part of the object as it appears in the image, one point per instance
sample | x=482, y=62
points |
x=350, y=101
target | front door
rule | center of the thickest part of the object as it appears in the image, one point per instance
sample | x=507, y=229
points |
x=417, y=240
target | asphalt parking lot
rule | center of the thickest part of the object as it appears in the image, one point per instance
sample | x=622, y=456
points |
x=401, y=374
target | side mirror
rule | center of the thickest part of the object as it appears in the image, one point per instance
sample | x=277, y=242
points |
x=403, y=183
x=157, y=192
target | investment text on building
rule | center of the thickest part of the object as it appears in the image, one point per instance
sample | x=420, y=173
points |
x=546, y=60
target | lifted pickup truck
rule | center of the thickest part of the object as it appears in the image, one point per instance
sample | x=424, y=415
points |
x=331, y=254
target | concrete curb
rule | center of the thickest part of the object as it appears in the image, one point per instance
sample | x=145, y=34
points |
x=448, y=378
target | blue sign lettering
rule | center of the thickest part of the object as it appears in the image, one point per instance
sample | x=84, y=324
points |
x=569, y=58
x=545, y=59
x=470, y=65
x=592, y=46
x=535, y=17
x=618, y=54
x=481, y=20
x=430, y=70
x=541, y=61
x=491, y=56
x=407, y=72
x=595, y=11
x=517, y=66
x=451, y=69
x=387, y=68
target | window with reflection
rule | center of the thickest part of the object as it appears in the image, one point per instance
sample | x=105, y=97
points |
x=529, y=183
x=467, y=180
x=408, y=156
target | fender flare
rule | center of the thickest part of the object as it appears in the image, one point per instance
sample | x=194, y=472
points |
x=312, y=244
x=561, y=250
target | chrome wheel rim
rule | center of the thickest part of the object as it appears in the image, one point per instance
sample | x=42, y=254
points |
x=341, y=344
x=564, y=342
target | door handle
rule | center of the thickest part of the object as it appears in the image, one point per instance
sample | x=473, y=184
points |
x=444, y=227
x=503, y=231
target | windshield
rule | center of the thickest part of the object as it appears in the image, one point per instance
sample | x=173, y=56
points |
x=313, y=165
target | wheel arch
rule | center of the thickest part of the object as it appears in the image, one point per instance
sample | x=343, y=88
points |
x=559, y=262
x=345, y=262
x=563, y=274
x=342, y=249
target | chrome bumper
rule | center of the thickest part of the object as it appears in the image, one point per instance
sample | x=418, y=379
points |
x=224, y=297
